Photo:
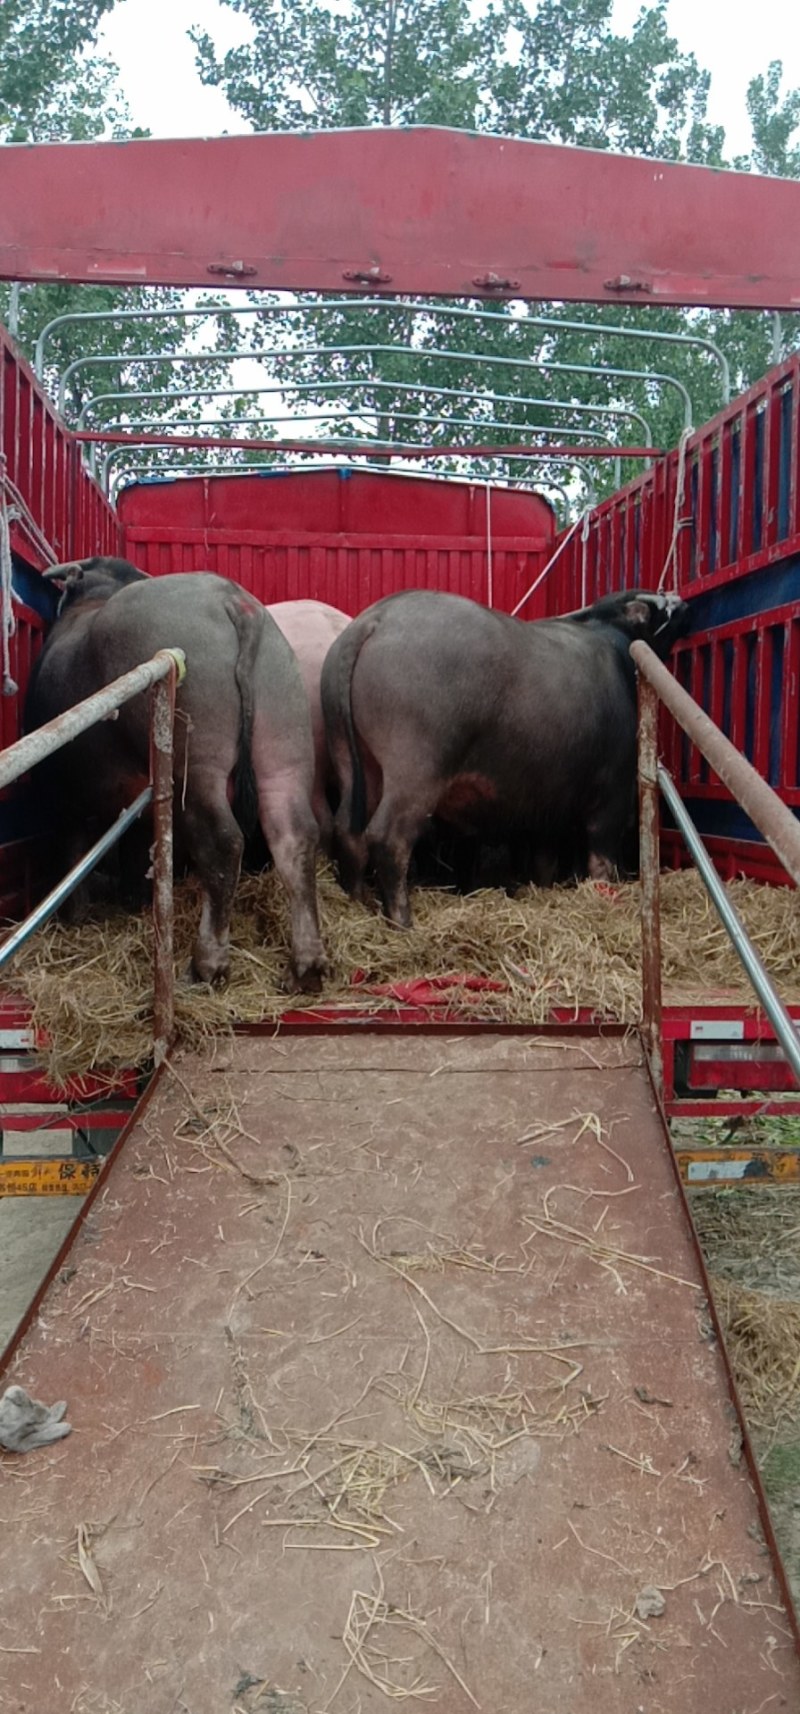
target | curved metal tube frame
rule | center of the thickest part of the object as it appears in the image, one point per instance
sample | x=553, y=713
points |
x=350, y=305
x=401, y=416
x=303, y=387
x=295, y=354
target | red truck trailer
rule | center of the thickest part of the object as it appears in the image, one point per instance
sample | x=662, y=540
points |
x=388, y=1348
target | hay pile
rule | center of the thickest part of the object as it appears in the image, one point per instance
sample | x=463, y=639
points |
x=90, y=987
x=762, y=1334
x=750, y=1240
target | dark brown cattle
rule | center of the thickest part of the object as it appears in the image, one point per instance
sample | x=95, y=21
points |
x=242, y=736
x=503, y=730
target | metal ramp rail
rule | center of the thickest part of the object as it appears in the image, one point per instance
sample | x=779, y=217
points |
x=767, y=811
x=25, y=1175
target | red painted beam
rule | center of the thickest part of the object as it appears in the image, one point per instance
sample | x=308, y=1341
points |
x=416, y=211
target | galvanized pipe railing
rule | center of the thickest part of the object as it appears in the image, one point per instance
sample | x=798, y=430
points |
x=765, y=809
x=421, y=308
x=161, y=676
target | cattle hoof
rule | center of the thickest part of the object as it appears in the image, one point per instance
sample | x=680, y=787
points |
x=310, y=980
x=210, y=977
x=401, y=919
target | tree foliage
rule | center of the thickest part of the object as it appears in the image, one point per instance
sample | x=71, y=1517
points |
x=553, y=70
x=41, y=42
x=55, y=87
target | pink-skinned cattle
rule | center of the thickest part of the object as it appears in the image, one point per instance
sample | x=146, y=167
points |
x=310, y=627
x=503, y=730
x=243, y=746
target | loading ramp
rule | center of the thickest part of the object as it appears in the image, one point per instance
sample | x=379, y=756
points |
x=391, y=1374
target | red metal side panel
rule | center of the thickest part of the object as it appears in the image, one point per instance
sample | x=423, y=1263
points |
x=51, y=489
x=737, y=512
x=417, y=211
x=54, y=508
x=341, y=536
x=735, y=526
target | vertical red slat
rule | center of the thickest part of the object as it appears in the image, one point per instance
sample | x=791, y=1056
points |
x=738, y=694
x=790, y=763
x=727, y=549
x=794, y=466
x=764, y=655
x=695, y=771
x=772, y=460
x=679, y=507
x=746, y=482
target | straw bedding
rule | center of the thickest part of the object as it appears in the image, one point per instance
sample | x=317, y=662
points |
x=750, y=1240
x=90, y=987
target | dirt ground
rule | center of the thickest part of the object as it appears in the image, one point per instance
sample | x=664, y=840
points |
x=752, y=1238
x=32, y=1230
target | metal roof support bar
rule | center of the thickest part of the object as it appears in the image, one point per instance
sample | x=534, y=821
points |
x=291, y=353
x=386, y=448
x=423, y=308
x=167, y=472
x=402, y=416
x=284, y=391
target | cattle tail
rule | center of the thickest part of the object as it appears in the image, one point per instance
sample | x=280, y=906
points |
x=248, y=624
x=353, y=641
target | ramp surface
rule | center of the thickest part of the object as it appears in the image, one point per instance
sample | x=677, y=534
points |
x=391, y=1377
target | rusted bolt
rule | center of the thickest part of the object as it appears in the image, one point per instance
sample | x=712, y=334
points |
x=231, y=270
x=624, y=283
x=367, y=276
x=494, y=283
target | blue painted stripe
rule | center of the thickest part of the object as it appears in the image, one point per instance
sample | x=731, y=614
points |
x=31, y=589
x=716, y=819
x=773, y=586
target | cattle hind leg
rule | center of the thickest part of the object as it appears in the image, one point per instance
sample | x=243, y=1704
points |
x=607, y=832
x=292, y=834
x=214, y=843
x=391, y=836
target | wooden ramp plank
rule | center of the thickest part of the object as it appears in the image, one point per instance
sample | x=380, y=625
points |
x=372, y=1397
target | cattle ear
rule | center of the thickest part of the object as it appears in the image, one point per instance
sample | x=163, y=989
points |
x=636, y=614
x=70, y=587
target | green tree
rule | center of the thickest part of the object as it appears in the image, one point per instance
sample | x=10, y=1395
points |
x=41, y=42
x=553, y=70
x=55, y=87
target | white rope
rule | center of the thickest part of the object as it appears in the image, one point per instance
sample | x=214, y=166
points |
x=489, y=566
x=550, y=563
x=8, y=623
x=677, y=520
x=584, y=545
x=20, y=511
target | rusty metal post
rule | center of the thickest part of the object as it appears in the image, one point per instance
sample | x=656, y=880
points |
x=649, y=872
x=26, y=752
x=162, y=715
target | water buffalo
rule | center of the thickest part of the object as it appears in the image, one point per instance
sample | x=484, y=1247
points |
x=243, y=748
x=309, y=628
x=503, y=730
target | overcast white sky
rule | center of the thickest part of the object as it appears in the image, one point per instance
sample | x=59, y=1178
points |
x=148, y=40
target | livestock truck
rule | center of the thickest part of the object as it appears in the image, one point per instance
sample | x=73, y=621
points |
x=386, y=1342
